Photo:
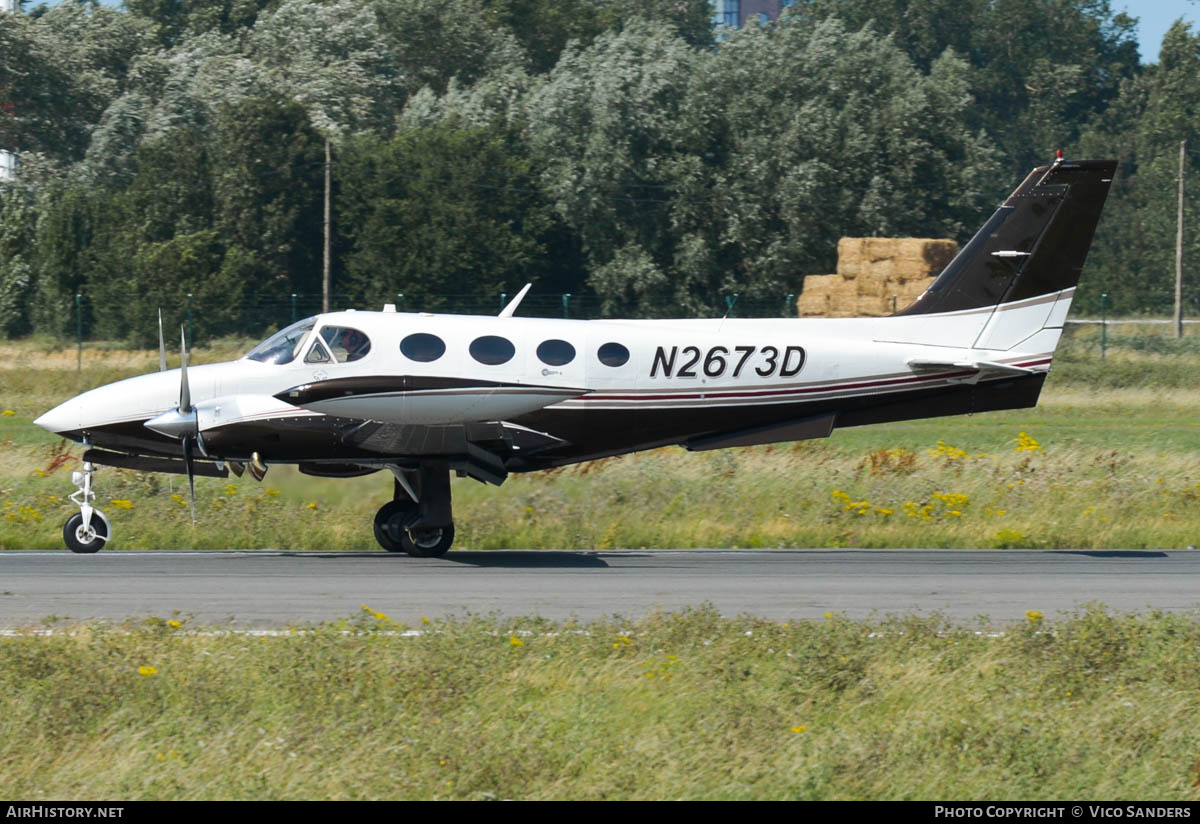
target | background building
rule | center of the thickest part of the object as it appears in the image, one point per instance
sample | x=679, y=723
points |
x=8, y=160
x=744, y=12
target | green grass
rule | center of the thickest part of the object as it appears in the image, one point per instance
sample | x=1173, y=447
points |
x=1115, y=466
x=1095, y=706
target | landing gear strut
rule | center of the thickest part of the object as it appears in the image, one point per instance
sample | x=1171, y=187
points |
x=87, y=531
x=418, y=520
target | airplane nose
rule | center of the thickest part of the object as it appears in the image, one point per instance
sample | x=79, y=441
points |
x=62, y=418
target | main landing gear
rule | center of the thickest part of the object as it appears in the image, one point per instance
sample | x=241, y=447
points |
x=87, y=531
x=418, y=520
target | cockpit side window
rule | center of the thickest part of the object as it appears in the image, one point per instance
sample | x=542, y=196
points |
x=285, y=345
x=318, y=353
x=345, y=343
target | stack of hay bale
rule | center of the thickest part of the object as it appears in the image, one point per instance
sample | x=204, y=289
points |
x=870, y=270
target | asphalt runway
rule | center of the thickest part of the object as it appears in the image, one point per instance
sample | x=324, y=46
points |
x=262, y=589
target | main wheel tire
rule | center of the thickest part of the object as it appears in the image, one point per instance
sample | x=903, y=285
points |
x=390, y=521
x=427, y=542
x=82, y=540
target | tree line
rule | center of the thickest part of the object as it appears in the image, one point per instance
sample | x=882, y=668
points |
x=623, y=151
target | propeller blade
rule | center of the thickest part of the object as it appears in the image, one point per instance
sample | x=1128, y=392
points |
x=162, y=347
x=185, y=392
x=236, y=467
x=187, y=464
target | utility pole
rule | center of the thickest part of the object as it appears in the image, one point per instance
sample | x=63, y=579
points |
x=1179, y=249
x=326, y=278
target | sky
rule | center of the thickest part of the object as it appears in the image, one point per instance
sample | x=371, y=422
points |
x=1154, y=18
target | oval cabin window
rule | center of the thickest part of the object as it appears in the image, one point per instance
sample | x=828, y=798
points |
x=422, y=347
x=492, y=350
x=613, y=354
x=556, y=352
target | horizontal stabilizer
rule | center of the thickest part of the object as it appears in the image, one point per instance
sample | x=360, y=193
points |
x=980, y=369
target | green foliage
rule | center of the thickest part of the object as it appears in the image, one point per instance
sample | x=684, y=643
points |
x=173, y=19
x=1134, y=256
x=225, y=213
x=606, y=121
x=690, y=176
x=58, y=73
x=435, y=41
x=267, y=181
x=16, y=274
x=438, y=210
x=630, y=157
x=1039, y=69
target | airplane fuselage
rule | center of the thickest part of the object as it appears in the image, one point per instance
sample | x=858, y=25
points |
x=659, y=382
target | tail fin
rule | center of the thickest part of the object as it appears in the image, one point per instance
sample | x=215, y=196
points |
x=1029, y=253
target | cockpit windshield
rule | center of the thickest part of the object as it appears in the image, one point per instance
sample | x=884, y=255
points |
x=285, y=345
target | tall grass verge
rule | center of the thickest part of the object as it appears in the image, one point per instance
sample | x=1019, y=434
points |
x=689, y=705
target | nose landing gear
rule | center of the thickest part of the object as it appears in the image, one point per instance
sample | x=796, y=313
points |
x=87, y=531
x=418, y=520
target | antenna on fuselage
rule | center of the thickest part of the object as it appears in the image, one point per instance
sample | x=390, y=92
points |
x=507, y=311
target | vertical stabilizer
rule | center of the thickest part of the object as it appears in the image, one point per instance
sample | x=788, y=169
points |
x=1017, y=275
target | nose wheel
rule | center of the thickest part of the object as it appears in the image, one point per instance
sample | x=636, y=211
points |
x=87, y=531
x=85, y=538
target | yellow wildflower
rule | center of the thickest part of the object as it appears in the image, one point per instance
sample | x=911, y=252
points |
x=8, y=413
x=515, y=641
x=121, y=503
x=1026, y=443
x=147, y=670
x=1034, y=615
x=174, y=623
x=799, y=728
x=945, y=450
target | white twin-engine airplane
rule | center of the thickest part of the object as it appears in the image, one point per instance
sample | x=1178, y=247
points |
x=422, y=395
